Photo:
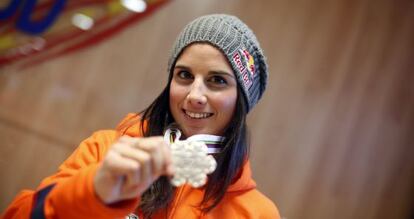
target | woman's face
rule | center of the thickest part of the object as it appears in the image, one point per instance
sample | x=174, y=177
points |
x=203, y=91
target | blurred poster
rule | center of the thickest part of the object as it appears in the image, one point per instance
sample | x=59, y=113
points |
x=34, y=31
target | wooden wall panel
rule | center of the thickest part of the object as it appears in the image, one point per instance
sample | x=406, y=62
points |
x=332, y=138
x=26, y=158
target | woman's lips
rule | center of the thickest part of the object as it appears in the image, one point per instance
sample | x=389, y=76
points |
x=197, y=115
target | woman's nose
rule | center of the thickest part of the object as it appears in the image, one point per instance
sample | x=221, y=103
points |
x=196, y=95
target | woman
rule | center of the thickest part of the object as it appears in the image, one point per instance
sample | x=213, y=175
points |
x=217, y=73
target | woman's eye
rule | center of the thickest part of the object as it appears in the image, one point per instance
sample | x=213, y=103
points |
x=218, y=80
x=184, y=75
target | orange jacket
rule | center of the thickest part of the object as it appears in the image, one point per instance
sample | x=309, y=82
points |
x=70, y=194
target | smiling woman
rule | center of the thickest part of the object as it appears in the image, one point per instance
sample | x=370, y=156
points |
x=203, y=91
x=217, y=74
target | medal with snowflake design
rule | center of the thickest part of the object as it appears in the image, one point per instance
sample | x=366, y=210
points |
x=191, y=162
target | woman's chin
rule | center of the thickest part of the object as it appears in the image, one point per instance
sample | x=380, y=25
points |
x=188, y=132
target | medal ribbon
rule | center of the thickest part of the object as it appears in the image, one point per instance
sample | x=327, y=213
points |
x=214, y=142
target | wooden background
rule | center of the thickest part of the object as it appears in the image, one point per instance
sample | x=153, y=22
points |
x=333, y=136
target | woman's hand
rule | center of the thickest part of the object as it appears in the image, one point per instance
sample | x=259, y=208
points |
x=130, y=167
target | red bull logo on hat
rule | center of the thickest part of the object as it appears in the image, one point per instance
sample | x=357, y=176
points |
x=249, y=61
x=245, y=64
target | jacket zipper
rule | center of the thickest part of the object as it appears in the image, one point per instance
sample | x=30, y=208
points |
x=175, y=204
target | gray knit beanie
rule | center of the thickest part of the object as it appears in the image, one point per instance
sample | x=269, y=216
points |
x=238, y=44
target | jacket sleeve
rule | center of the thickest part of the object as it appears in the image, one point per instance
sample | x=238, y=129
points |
x=69, y=193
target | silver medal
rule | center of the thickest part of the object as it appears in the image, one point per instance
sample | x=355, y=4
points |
x=190, y=158
x=191, y=163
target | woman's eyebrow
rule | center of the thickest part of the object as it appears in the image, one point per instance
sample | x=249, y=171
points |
x=212, y=72
x=221, y=73
x=182, y=67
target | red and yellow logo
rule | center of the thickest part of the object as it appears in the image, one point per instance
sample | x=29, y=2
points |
x=245, y=64
x=249, y=62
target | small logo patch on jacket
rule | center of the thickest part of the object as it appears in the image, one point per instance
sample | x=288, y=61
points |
x=132, y=216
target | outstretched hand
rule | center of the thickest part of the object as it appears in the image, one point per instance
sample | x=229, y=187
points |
x=130, y=167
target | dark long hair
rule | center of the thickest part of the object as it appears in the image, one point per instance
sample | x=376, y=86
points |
x=229, y=162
